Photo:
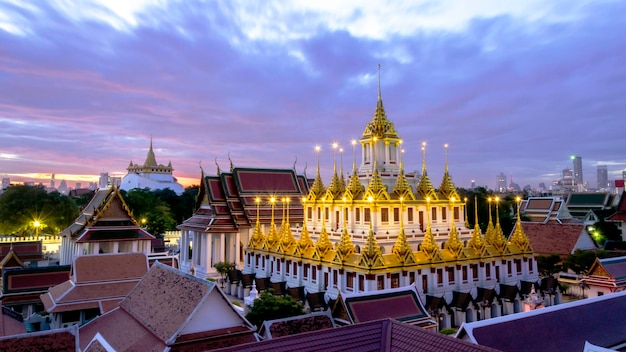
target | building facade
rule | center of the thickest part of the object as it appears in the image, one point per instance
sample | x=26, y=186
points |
x=376, y=231
x=150, y=175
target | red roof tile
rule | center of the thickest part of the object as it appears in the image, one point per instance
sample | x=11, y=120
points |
x=553, y=238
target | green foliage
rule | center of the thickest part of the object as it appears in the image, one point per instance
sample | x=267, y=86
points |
x=145, y=205
x=223, y=267
x=236, y=303
x=549, y=265
x=580, y=262
x=602, y=231
x=448, y=331
x=270, y=307
x=20, y=206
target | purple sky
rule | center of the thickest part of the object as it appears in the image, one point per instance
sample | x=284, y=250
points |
x=513, y=87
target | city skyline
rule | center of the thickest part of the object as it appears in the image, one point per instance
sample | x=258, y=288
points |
x=513, y=88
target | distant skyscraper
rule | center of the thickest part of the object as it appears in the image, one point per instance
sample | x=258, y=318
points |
x=473, y=184
x=578, y=169
x=6, y=182
x=104, y=180
x=501, y=184
x=603, y=177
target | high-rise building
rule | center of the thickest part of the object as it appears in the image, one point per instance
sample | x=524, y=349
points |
x=501, y=184
x=603, y=177
x=578, y=169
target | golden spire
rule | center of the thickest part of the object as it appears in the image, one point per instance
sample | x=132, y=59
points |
x=465, y=213
x=499, y=241
x=453, y=243
x=258, y=238
x=355, y=188
x=287, y=238
x=402, y=188
x=376, y=188
x=371, y=255
x=334, y=190
x=272, y=236
x=305, y=240
x=380, y=126
x=317, y=189
x=402, y=248
x=425, y=188
x=232, y=167
x=342, y=180
x=323, y=243
x=490, y=233
x=447, y=188
x=518, y=237
x=345, y=246
x=150, y=158
x=476, y=241
x=429, y=245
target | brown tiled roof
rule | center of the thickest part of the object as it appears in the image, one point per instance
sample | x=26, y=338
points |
x=60, y=340
x=546, y=239
x=99, y=281
x=380, y=335
x=563, y=327
x=166, y=309
x=620, y=213
x=105, y=267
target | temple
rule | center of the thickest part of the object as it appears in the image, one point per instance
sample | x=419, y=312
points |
x=379, y=229
x=150, y=175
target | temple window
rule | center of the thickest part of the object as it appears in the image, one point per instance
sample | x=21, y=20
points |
x=440, y=277
x=380, y=282
x=288, y=271
x=357, y=215
x=450, y=271
x=314, y=274
x=295, y=269
x=409, y=214
x=384, y=215
x=474, y=272
x=433, y=212
x=518, y=266
x=335, y=275
x=396, y=215
x=464, y=272
x=456, y=213
x=509, y=268
x=488, y=271
x=350, y=281
x=425, y=281
x=395, y=280
x=361, y=283
x=319, y=214
x=444, y=214
x=306, y=269
x=309, y=213
x=366, y=216
x=411, y=277
x=530, y=266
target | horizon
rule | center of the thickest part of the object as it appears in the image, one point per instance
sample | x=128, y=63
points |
x=512, y=88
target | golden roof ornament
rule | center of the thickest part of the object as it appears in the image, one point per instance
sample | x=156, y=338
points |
x=323, y=243
x=335, y=190
x=402, y=189
x=499, y=241
x=429, y=245
x=490, y=233
x=345, y=247
x=401, y=247
x=150, y=158
x=354, y=188
x=273, y=234
x=258, y=238
x=305, y=241
x=371, y=255
x=342, y=180
x=453, y=243
x=447, y=188
x=380, y=126
x=376, y=188
x=287, y=239
x=476, y=241
x=424, y=188
x=317, y=189
x=518, y=237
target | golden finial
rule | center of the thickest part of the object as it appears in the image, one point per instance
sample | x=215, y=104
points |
x=272, y=236
x=294, y=163
x=231, y=163
x=344, y=247
x=379, y=94
x=518, y=237
x=218, y=167
x=453, y=243
x=476, y=241
x=317, y=189
x=445, y=156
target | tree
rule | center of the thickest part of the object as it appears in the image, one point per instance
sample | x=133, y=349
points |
x=505, y=205
x=602, y=231
x=21, y=206
x=145, y=205
x=580, y=261
x=223, y=268
x=270, y=307
x=549, y=265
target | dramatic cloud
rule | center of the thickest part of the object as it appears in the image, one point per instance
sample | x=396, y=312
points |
x=513, y=88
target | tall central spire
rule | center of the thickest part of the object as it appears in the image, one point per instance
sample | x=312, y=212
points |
x=379, y=95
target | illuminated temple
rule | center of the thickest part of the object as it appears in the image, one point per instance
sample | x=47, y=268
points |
x=377, y=228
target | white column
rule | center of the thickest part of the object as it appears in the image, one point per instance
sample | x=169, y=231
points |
x=209, y=249
x=116, y=247
x=237, y=248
